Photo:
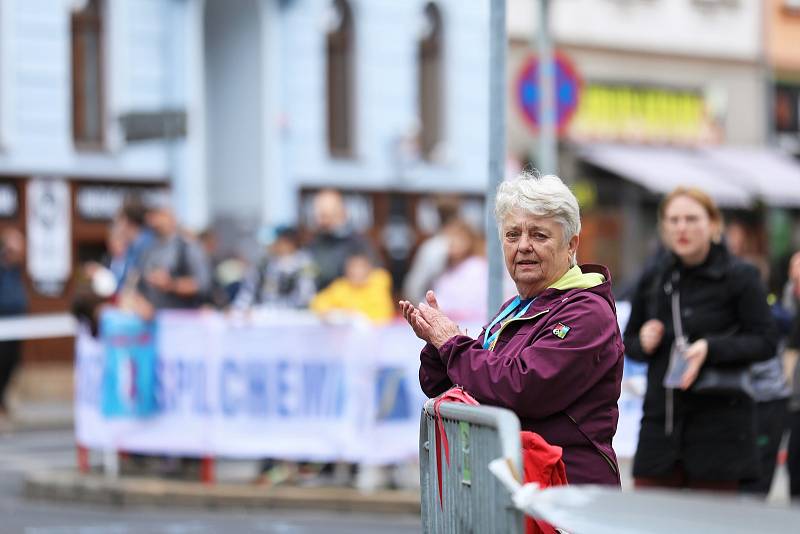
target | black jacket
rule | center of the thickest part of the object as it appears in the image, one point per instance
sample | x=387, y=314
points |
x=12, y=290
x=714, y=435
x=330, y=252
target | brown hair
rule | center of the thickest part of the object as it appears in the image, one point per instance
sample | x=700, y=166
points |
x=702, y=198
x=699, y=196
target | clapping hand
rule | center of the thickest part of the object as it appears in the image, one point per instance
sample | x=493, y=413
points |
x=650, y=335
x=428, y=321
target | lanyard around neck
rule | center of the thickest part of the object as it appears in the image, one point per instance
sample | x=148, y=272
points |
x=489, y=339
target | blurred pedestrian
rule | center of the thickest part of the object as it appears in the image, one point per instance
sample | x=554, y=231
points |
x=227, y=271
x=363, y=294
x=364, y=291
x=116, y=251
x=466, y=267
x=334, y=240
x=175, y=274
x=106, y=275
x=138, y=237
x=282, y=279
x=689, y=437
x=770, y=387
x=13, y=301
x=792, y=370
x=430, y=259
x=175, y=270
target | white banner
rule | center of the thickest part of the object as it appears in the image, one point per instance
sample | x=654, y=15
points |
x=281, y=386
x=288, y=388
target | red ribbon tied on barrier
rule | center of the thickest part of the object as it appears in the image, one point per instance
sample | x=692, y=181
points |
x=454, y=394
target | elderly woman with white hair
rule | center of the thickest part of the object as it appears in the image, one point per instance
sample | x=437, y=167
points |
x=553, y=353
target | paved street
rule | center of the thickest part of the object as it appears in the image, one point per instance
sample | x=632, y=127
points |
x=21, y=452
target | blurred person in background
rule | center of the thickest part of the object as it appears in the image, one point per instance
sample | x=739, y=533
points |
x=13, y=301
x=108, y=273
x=175, y=269
x=430, y=259
x=227, y=271
x=466, y=267
x=792, y=370
x=175, y=274
x=97, y=283
x=745, y=242
x=363, y=292
x=770, y=387
x=688, y=438
x=282, y=279
x=116, y=251
x=334, y=241
x=138, y=237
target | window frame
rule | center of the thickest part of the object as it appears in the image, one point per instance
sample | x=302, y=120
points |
x=92, y=18
x=430, y=83
x=340, y=82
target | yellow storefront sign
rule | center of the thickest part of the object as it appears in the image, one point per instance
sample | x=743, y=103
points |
x=639, y=114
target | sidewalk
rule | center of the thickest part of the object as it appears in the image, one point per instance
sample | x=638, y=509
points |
x=41, y=415
x=41, y=397
x=72, y=486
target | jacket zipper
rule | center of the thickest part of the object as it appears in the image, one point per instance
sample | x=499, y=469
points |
x=503, y=325
x=605, y=457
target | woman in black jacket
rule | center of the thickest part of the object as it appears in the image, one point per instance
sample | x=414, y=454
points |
x=688, y=438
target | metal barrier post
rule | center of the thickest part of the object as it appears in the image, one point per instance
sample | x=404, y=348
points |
x=83, y=458
x=207, y=470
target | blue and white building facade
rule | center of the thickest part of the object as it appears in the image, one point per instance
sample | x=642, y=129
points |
x=251, y=77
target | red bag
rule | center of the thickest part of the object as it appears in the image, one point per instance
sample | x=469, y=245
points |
x=541, y=463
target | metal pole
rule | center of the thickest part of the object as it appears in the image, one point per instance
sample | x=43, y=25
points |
x=548, y=156
x=497, y=146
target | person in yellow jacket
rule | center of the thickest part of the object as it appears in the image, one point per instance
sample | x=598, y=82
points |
x=363, y=290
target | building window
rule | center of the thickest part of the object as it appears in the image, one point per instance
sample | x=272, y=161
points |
x=787, y=109
x=87, y=75
x=340, y=77
x=430, y=82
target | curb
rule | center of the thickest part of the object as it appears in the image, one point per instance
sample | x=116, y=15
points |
x=129, y=491
x=29, y=424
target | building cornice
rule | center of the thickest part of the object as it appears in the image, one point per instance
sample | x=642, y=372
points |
x=643, y=53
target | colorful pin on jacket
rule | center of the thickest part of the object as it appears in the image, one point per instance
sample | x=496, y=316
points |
x=561, y=330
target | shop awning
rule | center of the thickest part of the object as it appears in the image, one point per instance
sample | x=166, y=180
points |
x=735, y=176
x=662, y=169
x=766, y=173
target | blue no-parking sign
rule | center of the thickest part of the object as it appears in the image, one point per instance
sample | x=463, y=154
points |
x=568, y=86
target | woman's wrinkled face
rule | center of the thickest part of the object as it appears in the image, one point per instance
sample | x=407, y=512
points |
x=535, y=251
x=688, y=230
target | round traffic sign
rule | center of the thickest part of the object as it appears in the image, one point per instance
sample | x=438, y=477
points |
x=567, y=91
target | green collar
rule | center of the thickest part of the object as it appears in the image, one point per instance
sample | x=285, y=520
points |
x=574, y=278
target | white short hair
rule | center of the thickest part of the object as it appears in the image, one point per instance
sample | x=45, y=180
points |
x=544, y=196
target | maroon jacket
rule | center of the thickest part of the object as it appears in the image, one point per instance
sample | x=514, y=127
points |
x=564, y=389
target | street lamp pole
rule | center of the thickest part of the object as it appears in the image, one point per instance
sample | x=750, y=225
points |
x=497, y=146
x=548, y=155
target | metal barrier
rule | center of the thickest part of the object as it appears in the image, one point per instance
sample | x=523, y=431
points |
x=473, y=499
